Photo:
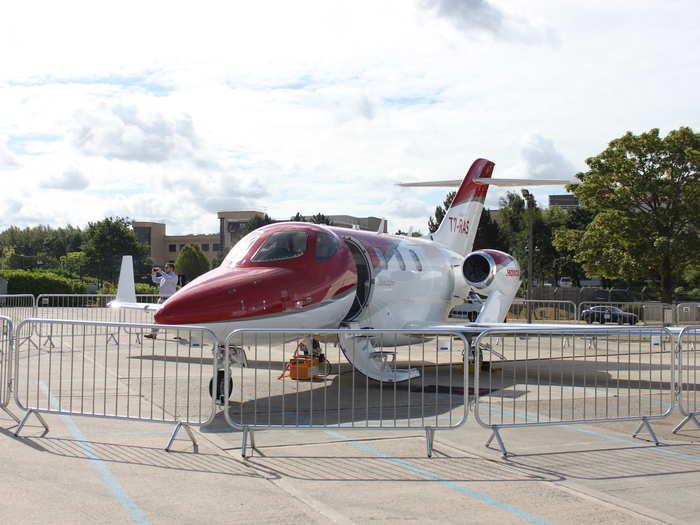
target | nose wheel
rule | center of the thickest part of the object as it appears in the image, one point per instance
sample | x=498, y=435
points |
x=223, y=391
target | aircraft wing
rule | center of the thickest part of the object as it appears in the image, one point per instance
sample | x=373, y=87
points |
x=478, y=328
x=147, y=307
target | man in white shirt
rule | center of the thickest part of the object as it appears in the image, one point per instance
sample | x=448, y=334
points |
x=167, y=285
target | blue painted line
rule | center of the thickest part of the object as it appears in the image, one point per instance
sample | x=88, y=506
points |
x=451, y=484
x=430, y=475
x=112, y=484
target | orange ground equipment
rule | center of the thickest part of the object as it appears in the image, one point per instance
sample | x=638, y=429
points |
x=306, y=366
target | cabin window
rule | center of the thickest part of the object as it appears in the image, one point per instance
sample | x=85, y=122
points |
x=326, y=246
x=282, y=245
x=382, y=259
x=416, y=260
x=399, y=259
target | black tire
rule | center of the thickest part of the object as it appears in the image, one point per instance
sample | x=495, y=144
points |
x=220, y=390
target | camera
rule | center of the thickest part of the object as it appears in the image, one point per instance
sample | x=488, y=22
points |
x=155, y=269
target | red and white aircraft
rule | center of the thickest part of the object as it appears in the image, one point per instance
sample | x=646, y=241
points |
x=310, y=276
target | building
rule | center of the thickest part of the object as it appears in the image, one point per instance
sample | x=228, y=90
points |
x=566, y=201
x=232, y=226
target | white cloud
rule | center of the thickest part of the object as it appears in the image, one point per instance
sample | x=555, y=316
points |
x=8, y=160
x=69, y=180
x=543, y=161
x=126, y=133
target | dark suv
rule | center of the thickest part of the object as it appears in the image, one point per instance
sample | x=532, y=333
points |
x=608, y=314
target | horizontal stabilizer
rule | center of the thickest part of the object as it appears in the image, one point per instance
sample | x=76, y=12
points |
x=493, y=182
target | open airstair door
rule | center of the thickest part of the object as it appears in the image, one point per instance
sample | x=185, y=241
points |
x=357, y=348
x=375, y=364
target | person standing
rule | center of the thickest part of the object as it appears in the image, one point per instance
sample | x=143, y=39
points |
x=167, y=285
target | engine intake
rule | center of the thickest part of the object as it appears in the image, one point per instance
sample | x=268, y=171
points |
x=495, y=274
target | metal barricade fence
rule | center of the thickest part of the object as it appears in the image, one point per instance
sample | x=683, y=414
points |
x=114, y=370
x=17, y=307
x=542, y=311
x=300, y=379
x=582, y=375
x=688, y=313
x=90, y=307
x=6, y=338
x=688, y=376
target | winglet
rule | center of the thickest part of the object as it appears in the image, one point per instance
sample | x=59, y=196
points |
x=126, y=289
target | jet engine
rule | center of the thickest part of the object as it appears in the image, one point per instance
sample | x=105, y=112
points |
x=496, y=275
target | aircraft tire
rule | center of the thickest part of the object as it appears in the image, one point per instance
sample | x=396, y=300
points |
x=220, y=390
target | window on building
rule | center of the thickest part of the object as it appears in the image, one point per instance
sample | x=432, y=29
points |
x=205, y=247
x=172, y=248
x=216, y=247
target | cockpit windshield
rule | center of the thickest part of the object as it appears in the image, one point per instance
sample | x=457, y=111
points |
x=282, y=245
x=240, y=250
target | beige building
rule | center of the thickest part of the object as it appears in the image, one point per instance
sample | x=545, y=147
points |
x=232, y=225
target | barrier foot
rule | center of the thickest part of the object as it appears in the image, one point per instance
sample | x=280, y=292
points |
x=496, y=434
x=244, y=441
x=645, y=423
x=429, y=437
x=9, y=413
x=187, y=428
x=691, y=417
x=24, y=422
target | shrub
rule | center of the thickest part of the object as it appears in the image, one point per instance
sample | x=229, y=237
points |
x=40, y=282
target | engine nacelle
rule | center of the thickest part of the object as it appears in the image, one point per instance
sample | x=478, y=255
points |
x=496, y=275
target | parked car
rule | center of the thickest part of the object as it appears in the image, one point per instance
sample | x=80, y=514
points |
x=470, y=309
x=608, y=314
x=566, y=282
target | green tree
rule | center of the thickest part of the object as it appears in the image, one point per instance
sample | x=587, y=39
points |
x=191, y=262
x=644, y=191
x=257, y=221
x=488, y=234
x=75, y=262
x=435, y=220
x=298, y=217
x=105, y=243
x=320, y=218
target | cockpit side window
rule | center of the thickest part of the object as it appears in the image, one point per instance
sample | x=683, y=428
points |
x=282, y=245
x=326, y=246
x=240, y=250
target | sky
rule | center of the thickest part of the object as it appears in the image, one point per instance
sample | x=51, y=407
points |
x=172, y=111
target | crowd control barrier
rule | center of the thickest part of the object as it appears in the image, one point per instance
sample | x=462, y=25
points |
x=688, y=377
x=91, y=307
x=300, y=379
x=6, y=341
x=17, y=307
x=539, y=311
x=138, y=372
x=583, y=375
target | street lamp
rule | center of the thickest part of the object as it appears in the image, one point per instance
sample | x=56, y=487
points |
x=529, y=198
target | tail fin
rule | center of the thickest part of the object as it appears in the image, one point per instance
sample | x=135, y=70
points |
x=126, y=289
x=458, y=228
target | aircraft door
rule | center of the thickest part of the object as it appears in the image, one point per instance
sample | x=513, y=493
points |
x=365, y=279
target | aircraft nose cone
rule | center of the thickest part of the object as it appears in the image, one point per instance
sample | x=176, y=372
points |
x=219, y=295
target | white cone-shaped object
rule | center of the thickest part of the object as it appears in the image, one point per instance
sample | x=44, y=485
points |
x=126, y=289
